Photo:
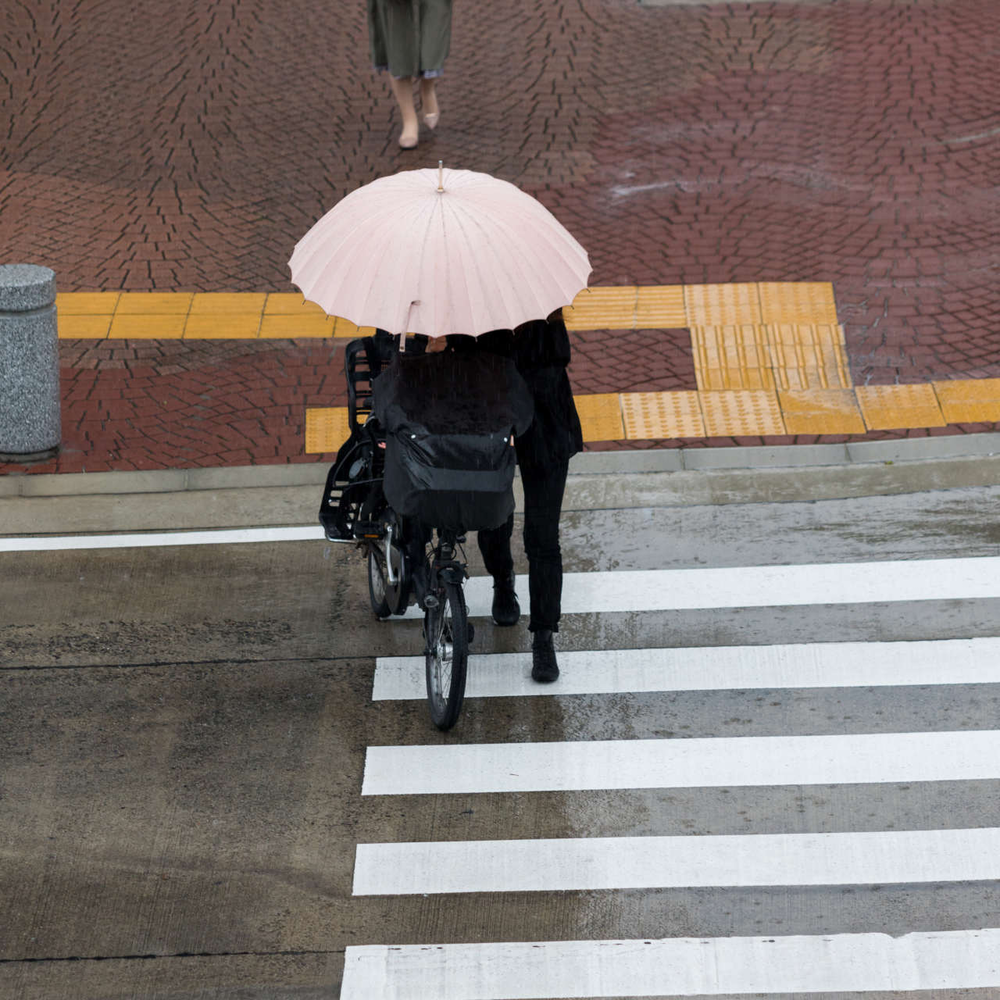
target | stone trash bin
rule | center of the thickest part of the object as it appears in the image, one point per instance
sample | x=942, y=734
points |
x=30, y=424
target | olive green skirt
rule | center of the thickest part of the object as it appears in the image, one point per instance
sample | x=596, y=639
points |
x=409, y=37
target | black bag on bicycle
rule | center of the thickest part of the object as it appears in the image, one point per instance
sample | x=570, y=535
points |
x=449, y=420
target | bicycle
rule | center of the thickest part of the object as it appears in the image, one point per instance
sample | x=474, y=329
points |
x=354, y=509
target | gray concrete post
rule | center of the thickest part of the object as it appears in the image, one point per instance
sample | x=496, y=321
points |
x=30, y=421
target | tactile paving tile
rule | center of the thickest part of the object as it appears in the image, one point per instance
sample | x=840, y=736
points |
x=797, y=302
x=84, y=327
x=660, y=307
x=148, y=326
x=86, y=303
x=154, y=304
x=893, y=407
x=223, y=325
x=969, y=401
x=600, y=416
x=291, y=304
x=348, y=331
x=291, y=327
x=327, y=428
x=808, y=356
x=603, y=308
x=722, y=305
x=650, y=415
x=821, y=411
x=227, y=303
x=732, y=357
x=741, y=413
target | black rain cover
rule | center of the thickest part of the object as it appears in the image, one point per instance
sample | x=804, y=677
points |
x=448, y=420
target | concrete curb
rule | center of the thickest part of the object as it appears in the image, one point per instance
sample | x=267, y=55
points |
x=961, y=448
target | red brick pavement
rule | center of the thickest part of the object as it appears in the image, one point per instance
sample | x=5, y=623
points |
x=141, y=404
x=853, y=142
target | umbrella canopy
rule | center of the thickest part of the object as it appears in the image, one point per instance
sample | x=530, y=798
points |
x=438, y=252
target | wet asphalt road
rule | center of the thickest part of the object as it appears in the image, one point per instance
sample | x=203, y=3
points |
x=184, y=730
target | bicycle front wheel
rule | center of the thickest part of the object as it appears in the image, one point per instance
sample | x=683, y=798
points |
x=447, y=655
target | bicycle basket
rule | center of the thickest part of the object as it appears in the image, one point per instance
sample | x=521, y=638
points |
x=462, y=482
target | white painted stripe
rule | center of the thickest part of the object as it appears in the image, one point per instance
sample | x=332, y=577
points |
x=949, y=960
x=228, y=536
x=712, y=668
x=660, y=862
x=690, y=763
x=761, y=586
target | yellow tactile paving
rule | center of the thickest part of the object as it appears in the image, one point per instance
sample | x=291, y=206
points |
x=292, y=327
x=797, y=302
x=649, y=415
x=154, y=304
x=83, y=327
x=722, y=305
x=601, y=417
x=327, y=428
x=147, y=326
x=227, y=303
x=821, y=411
x=894, y=407
x=808, y=356
x=290, y=304
x=223, y=325
x=732, y=357
x=969, y=401
x=660, y=307
x=741, y=413
x=603, y=308
x=347, y=330
x=86, y=303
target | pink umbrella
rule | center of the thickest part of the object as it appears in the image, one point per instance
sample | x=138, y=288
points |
x=438, y=252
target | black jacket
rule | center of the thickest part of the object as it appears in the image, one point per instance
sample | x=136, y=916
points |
x=541, y=354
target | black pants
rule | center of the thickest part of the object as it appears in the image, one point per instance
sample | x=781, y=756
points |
x=543, y=496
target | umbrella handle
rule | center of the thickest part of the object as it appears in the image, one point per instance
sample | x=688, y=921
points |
x=406, y=326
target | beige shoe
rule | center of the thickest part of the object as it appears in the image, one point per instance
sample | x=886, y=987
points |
x=431, y=120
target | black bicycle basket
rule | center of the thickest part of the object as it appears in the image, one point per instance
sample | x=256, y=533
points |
x=462, y=482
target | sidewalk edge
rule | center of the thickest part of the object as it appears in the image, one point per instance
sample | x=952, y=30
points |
x=964, y=447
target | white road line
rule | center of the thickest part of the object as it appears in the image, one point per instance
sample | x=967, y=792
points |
x=227, y=536
x=761, y=586
x=661, y=862
x=712, y=668
x=690, y=763
x=949, y=960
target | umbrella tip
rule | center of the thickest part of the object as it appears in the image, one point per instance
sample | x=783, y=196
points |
x=440, y=175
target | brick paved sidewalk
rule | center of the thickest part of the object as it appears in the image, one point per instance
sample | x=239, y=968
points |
x=847, y=142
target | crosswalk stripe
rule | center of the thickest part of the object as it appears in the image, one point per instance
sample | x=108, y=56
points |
x=687, y=763
x=129, y=540
x=949, y=960
x=712, y=668
x=761, y=586
x=691, y=861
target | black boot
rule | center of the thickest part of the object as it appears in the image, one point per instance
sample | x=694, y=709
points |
x=506, y=610
x=544, y=668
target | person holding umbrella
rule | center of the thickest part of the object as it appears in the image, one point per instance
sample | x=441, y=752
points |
x=411, y=38
x=541, y=352
x=443, y=252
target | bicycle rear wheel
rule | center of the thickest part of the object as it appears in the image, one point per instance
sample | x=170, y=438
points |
x=447, y=655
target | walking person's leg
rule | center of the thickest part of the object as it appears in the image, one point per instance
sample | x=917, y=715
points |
x=494, y=544
x=435, y=41
x=394, y=37
x=402, y=90
x=543, y=496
